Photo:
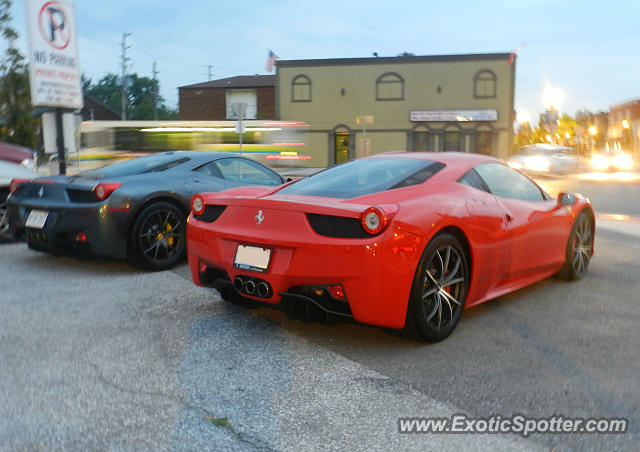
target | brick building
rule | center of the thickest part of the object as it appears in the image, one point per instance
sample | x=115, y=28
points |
x=624, y=125
x=94, y=110
x=213, y=100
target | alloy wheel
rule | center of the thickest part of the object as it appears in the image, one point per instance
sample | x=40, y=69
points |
x=581, y=247
x=5, y=227
x=444, y=287
x=161, y=235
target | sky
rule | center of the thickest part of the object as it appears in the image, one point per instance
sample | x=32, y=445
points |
x=576, y=54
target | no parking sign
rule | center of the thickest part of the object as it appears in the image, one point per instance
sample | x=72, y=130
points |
x=54, y=70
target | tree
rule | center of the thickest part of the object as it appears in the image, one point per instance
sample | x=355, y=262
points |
x=17, y=125
x=566, y=130
x=106, y=90
x=523, y=136
x=140, y=96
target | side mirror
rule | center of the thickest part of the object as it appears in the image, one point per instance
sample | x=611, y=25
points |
x=566, y=199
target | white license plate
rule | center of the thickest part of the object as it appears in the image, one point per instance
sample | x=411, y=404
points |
x=252, y=258
x=37, y=219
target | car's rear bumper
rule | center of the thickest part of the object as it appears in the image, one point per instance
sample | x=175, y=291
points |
x=105, y=230
x=376, y=273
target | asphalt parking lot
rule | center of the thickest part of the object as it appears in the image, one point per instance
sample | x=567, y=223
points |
x=97, y=355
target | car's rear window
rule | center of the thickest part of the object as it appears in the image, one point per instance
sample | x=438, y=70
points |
x=364, y=177
x=148, y=164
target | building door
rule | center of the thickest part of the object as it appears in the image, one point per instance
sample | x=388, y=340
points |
x=451, y=140
x=421, y=141
x=484, y=142
x=342, y=146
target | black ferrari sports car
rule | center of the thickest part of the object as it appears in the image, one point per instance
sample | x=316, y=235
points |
x=135, y=209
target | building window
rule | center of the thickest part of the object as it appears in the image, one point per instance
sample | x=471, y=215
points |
x=301, y=89
x=484, y=142
x=484, y=84
x=390, y=86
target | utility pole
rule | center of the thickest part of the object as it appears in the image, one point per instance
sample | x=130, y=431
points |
x=123, y=81
x=209, y=71
x=155, y=92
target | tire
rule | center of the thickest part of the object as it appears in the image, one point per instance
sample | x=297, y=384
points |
x=158, y=237
x=5, y=225
x=578, y=250
x=439, y=290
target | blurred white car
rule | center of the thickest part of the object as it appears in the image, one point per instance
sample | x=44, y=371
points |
x=8, y=172
x=611, y=160
x=545, y=158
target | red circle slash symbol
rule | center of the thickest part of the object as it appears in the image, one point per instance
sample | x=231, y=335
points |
x=54, y=25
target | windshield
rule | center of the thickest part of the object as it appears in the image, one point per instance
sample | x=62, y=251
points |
x=151, y=163
x=364, y=176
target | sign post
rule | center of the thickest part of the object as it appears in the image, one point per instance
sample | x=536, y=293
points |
x=366, y=143
x=54, y=71
x=240, y=109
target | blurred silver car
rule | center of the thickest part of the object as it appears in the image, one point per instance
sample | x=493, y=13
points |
x=545, y=158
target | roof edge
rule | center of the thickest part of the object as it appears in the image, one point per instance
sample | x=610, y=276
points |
x=394, y=60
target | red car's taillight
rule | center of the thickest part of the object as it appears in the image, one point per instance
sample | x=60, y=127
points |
x=13, y=185
x=374, y=220
x=103, y=191
x=197, y=204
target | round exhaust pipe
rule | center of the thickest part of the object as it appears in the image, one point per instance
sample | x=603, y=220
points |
x=250, y=287
x=263, y=289
x=238, y=284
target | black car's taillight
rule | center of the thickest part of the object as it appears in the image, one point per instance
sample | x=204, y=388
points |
x=15, y=184
x=104, y=190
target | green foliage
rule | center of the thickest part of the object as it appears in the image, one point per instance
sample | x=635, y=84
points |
x=566, y=131
x=140, y=96
x=218, y=421
x=17, y=124
x=106, y=90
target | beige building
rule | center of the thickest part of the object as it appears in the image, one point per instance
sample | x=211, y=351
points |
x=361, y=106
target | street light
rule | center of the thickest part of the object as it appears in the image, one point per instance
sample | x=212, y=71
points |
x=593, y=131
x=625, y=124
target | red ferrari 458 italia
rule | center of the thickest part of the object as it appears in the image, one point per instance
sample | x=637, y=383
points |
x=400, y=240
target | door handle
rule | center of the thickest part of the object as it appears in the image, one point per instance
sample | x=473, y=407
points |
x=509, y=217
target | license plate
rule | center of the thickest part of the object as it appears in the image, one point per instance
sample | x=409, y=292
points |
x=37, y=219
x=252, y=258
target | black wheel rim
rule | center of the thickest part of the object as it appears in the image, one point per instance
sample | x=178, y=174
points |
x=161, y=235
x=582, y=244
x=5, y=228
x=444, y=288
